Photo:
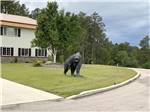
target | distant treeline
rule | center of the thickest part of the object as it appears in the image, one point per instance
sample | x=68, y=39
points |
x=64, y=33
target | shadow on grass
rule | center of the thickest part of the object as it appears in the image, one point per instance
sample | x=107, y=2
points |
x=74, y=76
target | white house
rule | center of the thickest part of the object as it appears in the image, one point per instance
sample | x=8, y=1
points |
x=17, y=32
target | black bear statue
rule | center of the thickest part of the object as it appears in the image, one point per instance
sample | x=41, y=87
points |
x=73, y=63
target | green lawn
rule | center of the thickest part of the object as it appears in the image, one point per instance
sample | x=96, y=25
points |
x=53, y=80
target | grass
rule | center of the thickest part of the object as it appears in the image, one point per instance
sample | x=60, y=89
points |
x=53, y=80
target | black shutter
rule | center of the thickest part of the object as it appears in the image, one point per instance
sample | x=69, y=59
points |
x=19, y=32
x=19, y=51
x=29, y=52
x=2, y=30
x=36, y=52
x=12, y=51
x=45, y=52
x=0, y=51
x=4, y=51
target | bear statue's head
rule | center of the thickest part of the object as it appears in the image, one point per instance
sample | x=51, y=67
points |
x=77, y=57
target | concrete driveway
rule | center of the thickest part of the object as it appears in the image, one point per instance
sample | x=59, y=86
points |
x=14, y=93
x=132, y=97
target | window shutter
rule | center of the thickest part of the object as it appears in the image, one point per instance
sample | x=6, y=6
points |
x=1, y=30
x=35, y=52
x=4, y=51
x=45, y=52
x=19, y=51
x=12, y=51
x=29, y=52
x=19, y=32
x=0, y=51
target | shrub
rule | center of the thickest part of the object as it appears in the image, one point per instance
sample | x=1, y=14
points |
x=146, y=65
x=15, y=60
x=131, y=62
x=27, y=62
x=43, y=61
x=37, y=63
x=48, y=62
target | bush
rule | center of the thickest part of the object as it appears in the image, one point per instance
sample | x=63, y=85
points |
x=146, y=65
x=131, y=62
x=48, y=62
x=15, y=60
x=37, y=63
x=27, y=61
x=43, y=61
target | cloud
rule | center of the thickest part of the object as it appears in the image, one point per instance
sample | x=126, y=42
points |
x=108, y=1
x=125, y=20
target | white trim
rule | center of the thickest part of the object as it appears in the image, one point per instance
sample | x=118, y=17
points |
x=23, y=52
x=6, y=33
x=42, y=52
x=10, y=51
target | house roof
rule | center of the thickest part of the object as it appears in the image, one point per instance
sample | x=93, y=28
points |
x=17, y=21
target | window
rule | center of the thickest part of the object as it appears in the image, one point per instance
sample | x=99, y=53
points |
x=10, y=31
x=24, y=52
x=40, y=52
x=6, y=51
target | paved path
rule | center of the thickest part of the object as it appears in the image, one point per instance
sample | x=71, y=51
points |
x=129, y=98
x=14, y=93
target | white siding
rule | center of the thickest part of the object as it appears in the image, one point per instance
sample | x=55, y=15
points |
x=24, y=41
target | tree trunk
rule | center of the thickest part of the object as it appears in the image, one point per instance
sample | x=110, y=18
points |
x=54, y=55
x=53, y=52
x=54, y=58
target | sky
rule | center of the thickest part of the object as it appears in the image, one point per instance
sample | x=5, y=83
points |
x=126, y=21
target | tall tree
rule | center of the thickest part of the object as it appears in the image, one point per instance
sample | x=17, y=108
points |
x=34, y=14
x=70, y=32
x=13, y=7
x=57, y=30
x=99, y=42
x=145, y=42
x=144, y=52
x=46, y=32
x=94, y=38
